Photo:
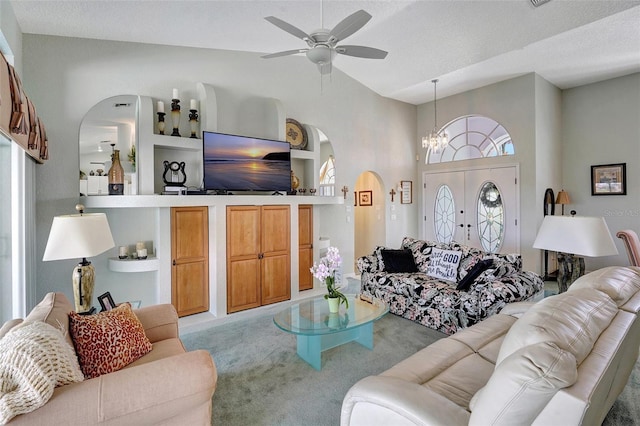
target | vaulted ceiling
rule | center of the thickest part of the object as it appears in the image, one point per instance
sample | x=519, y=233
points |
x=465, y=44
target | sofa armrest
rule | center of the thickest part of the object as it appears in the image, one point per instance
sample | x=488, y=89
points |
x=384, y=400
x=160, y=322
x=517, y=309
x=146, y=394
x=368, y=264
x=7, y=326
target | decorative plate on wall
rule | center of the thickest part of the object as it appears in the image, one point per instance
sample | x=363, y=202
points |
x=296, y=134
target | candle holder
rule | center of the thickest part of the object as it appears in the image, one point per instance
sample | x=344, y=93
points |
x=161, y=122
x=193, y=121
x=175, y=116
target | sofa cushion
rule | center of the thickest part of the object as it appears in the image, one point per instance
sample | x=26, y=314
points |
x=54, y=310
x=108, y=341
x=619, y=283
x=398, y=260
x=443, y=264
x=522, y=384
x=474, y=273
x=422, y=250
x=572, y=320
x=34, y=359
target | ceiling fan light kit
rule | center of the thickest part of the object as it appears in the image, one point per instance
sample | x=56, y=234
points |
x=323, y=43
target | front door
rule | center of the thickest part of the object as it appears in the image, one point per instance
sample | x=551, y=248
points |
x=476, y=207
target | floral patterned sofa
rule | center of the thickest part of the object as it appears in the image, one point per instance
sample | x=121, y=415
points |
x=494, y=280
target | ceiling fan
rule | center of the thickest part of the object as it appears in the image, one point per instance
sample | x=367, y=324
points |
x=323, y=43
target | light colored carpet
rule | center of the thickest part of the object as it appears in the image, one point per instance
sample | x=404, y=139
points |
x=261, y=380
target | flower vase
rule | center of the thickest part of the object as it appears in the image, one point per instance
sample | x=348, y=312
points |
x=334, y=304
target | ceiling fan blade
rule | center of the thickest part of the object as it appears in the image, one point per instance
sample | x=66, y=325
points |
x=349, y=25
x=284, y=53
x=324, y=68
x=361, y=52
x=285, y=26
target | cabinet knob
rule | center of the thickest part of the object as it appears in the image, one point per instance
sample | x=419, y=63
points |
x=174, y=262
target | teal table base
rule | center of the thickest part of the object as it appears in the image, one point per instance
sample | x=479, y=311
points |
x=310, y=348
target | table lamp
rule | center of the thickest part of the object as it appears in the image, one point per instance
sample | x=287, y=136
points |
x=573, y=237
x=79, y=236
x=563, y=199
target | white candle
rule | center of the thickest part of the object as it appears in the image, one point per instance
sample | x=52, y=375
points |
x=175, y=93
x=193, y=104
x=124, y=251
x=142, y=253
x=160, y=106
x=140, y=245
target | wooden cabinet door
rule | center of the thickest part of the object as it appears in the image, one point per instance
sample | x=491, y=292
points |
x=305, y=247
x=190, y=259
x=243, y=263
x=275, y=254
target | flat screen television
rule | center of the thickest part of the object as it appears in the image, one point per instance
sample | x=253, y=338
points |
x=241, y=163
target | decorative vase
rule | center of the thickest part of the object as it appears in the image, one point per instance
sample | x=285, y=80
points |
x=116, y=175
x=334, y=304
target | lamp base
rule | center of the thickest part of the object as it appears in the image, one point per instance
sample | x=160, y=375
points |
x=570, y=268
x=83, y=279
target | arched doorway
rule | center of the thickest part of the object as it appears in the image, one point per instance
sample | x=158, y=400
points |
x=370, y=220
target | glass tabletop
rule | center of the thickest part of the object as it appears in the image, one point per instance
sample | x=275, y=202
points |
x=311, y=317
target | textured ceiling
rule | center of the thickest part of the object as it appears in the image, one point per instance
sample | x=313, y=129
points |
x=466, y=44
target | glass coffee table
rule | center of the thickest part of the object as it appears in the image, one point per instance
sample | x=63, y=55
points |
x=318, y=330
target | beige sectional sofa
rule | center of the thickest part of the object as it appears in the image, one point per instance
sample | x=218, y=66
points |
x=561, y=361
x=167, y=386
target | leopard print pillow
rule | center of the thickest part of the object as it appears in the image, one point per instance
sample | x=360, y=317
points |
x=108, y=341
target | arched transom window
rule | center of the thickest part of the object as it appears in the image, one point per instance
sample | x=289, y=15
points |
x=473, y=136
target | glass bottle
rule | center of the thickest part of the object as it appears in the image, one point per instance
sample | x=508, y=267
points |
x=116, y=175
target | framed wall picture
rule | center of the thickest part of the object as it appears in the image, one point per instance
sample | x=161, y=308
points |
x=406, y=195
x=365, y=198
x=106, y=302
x=609, y=179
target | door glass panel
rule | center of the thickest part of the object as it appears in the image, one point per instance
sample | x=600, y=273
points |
x=490, y=218
x=444, y=215
x=473, y=136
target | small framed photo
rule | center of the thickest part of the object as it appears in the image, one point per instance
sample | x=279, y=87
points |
x=106, y=302
x=365, y=198
x=406, y=195
x=609, y=179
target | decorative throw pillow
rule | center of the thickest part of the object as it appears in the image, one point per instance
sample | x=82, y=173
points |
x=34, y=359
x=108, y=341
x=398, y=261
x=471, y=276
x=443, y=264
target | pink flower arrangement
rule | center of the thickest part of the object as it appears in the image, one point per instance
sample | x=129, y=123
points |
x=325, y=271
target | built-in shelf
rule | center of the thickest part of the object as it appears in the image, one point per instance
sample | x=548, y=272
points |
x=144, y=201
x=134, y=265
x=302, y=154
x=175, y=142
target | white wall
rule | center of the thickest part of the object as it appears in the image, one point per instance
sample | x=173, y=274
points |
x=601, y=125
x=65, y=77
x=511, y=103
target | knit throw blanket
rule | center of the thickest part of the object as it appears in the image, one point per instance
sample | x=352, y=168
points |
x=34, y=359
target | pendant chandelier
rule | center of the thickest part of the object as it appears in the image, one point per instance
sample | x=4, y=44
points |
x=434, y=141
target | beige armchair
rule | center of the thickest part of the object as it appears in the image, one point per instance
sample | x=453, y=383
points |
x=632, y=244
x=168, y=386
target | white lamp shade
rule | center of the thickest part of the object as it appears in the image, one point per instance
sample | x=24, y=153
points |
x=579, y=235
x=78, y=236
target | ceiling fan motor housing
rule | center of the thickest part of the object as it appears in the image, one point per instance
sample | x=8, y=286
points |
x=321, y=54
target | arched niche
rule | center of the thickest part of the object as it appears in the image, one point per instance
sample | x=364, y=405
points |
x=109, y=124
